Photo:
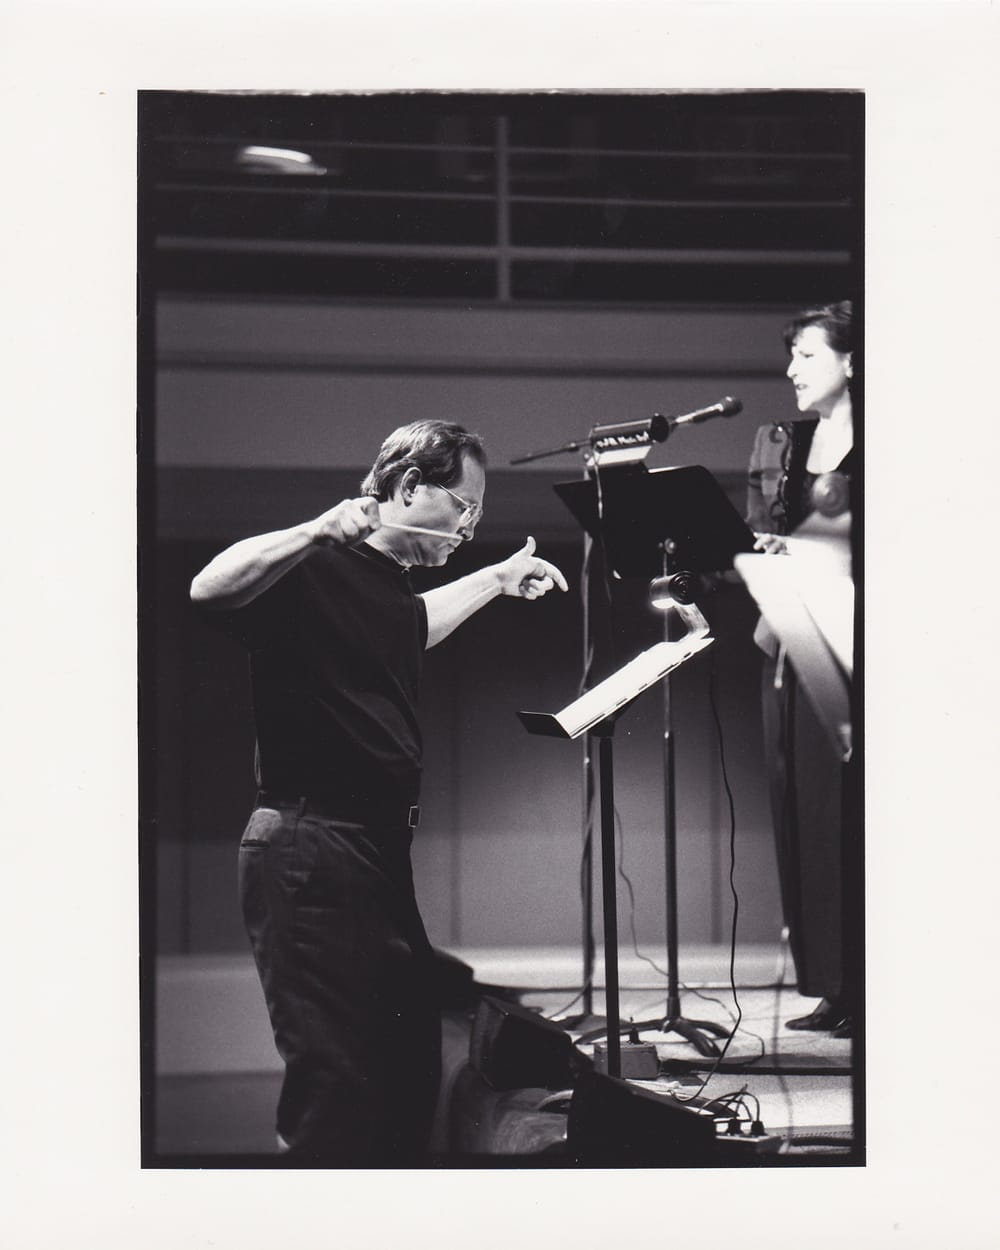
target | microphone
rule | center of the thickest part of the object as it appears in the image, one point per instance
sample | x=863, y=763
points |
x=657, y=428
x=727, y=407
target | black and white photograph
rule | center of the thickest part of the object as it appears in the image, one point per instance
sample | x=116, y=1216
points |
x=500, y=693
x=501, y=582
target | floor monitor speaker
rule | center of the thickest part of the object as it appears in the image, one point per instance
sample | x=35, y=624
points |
x=515, y=1048
x=613, y=1122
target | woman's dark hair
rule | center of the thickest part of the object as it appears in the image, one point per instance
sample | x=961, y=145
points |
x=835, y=319
x=436, y=448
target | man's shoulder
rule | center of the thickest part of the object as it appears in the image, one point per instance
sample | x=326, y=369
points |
x=331, y=569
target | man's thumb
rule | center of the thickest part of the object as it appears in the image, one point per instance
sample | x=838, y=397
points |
x=528, y=549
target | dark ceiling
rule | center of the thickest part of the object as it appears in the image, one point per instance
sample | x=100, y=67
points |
x=735, y=197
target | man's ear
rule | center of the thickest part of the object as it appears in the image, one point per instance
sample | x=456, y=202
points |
x=849, y=370
x=408, y=483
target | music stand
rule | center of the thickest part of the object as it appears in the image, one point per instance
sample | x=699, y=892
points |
x=596, y=712
x=650, y=523
x=807, y=598
x=812, y=612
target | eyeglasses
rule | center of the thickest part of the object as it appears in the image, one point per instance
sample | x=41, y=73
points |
x=472, y=513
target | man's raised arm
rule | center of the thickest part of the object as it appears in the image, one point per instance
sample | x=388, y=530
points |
x=523, y=574
x=246, y=569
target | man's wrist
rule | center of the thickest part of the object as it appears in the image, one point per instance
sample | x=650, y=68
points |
x=309, y=532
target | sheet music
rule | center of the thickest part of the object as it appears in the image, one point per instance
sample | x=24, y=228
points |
x=830, y=602
x=630, y=680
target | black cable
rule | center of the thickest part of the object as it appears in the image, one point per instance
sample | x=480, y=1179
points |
x=732, y=884
x=690, y=989
x=735, y=1017
x=732, y=1108
x=638, y=989
x=737, y=1096
x=635, y=939
x=732, y=1016
x=652, y=963
x=629, y=989
x=786, y=1093
x=588, y=659
x=785, y=712
x=586, y=848
x=743, y=1109
x=554, y=1016
x=605, y=568
x=756, y=1102
x=631, y=895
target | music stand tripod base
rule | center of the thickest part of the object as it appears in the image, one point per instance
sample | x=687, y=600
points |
x=693, y=1031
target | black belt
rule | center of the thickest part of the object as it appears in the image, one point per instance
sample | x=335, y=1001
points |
x=392, y=815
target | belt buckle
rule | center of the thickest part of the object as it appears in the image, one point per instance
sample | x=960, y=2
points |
x=413, y=816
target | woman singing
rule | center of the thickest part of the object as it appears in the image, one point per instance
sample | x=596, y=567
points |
x=788, y=461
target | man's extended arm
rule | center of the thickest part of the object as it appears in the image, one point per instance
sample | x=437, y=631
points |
x=523, y=574
x=243, y=571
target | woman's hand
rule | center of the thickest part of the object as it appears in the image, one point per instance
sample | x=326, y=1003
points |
x=771, y=544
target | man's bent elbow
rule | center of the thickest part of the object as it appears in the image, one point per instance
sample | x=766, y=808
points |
x=205, y=594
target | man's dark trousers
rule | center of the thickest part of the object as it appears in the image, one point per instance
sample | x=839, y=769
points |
x=347, y=972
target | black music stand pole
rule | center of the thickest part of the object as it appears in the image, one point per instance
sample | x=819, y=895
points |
x=587, y=881
x=693, y=1031
x=612, y=1009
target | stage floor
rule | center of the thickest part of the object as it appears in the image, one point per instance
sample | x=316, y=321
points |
x=802, y=1082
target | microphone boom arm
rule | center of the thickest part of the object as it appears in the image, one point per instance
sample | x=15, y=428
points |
x=654, y=429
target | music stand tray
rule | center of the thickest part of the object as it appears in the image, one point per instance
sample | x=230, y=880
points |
x=614, y=694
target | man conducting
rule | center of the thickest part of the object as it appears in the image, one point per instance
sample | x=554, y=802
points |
x=335, y=635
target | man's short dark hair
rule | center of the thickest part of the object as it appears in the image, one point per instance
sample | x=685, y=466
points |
x=436, y=448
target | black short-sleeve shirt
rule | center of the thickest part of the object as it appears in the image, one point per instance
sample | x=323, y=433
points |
x=336, y=648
